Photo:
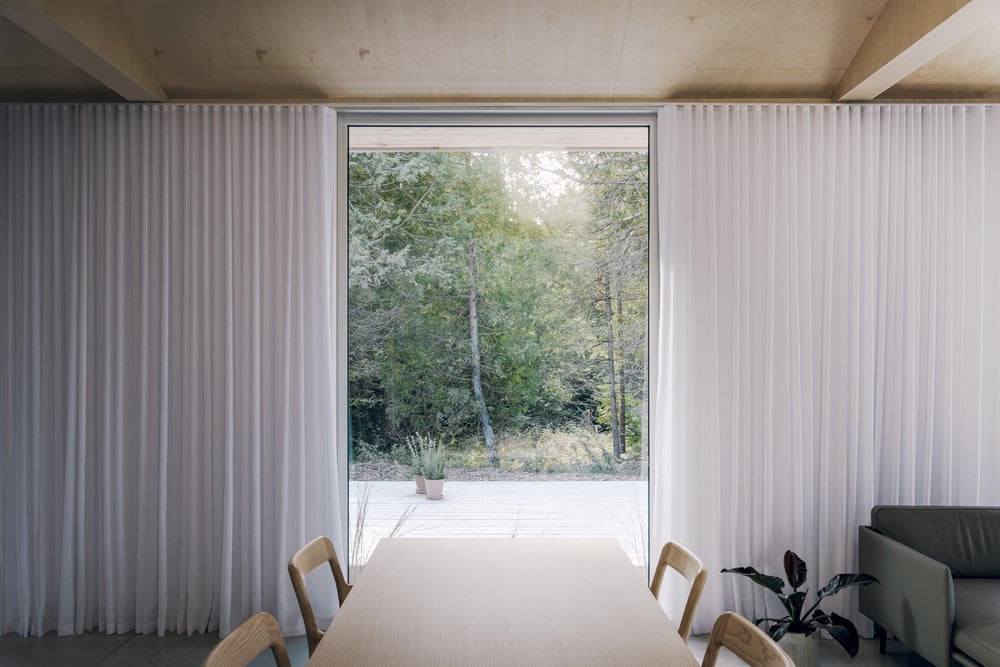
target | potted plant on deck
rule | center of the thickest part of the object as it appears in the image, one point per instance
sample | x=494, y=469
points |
x=798, y=630
x=433, y=462
x=415, y=444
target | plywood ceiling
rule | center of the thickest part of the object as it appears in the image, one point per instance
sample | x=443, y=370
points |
x=499, y=51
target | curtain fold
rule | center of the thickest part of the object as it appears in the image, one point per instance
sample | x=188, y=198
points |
x=828, y=316
x=166, y=367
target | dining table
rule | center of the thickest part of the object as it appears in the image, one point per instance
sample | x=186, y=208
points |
x=500, y=601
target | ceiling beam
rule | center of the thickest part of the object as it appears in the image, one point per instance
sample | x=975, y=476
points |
x=93, y=36
x=908, y=35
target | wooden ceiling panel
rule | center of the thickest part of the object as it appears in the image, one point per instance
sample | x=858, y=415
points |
x=185, y=35
x=395, y=85
x=257, y=84
x=508, y=85
x=416, y=50
x=751, y=84
x=766, y=34
x=508, y=34
x=496, y=51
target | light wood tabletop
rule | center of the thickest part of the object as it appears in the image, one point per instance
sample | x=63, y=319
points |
x=440, y=601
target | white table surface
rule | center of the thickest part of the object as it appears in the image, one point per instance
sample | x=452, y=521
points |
x=499, y=601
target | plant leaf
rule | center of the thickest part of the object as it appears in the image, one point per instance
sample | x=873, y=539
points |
x=840, y=629
x=769, y=582
x=778, y=630
x=842, y=581
x=803, y=627
x=794, y=604
x=795, y=570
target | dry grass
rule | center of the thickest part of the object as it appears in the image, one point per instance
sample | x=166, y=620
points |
x=358, y=554
x=571, y=452
x=566, y=450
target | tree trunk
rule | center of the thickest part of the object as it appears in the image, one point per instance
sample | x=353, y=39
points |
x=612, y=377
x=621, y=377
x=477, y=366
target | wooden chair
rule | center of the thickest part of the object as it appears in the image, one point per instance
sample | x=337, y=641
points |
x=307, y=559
x=250, y=639
x=746, y=641
x=692, y=569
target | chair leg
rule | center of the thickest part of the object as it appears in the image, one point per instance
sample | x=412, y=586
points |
x=881, y=633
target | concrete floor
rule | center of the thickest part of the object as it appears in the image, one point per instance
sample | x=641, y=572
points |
x=93, y=649
x=90, y=650
x=832, y=655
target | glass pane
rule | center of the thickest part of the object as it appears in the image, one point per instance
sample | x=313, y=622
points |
x=497, y=329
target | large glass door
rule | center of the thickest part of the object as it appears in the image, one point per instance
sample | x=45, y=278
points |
x=497, y=332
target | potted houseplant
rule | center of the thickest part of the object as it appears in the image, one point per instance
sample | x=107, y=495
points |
x=797, y=630
x=433, y=461
x=416, y=446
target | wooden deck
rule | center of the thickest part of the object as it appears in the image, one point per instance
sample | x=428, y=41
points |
x=503, y=509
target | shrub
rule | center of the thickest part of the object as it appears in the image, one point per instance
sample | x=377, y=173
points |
x=433, y=460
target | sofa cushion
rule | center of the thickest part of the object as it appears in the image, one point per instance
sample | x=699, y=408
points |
x=966, y=539
x=977, y=619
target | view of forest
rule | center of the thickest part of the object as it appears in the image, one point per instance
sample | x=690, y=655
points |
x=497, y=303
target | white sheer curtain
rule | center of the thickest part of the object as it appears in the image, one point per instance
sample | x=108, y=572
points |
x=828, y=330
x=166, y=363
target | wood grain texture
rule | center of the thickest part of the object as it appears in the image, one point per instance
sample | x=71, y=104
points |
x=677, y=557
x=318, y=552
x=255, y=635
x=500, y=602
x=746, y=641
x=505, y=51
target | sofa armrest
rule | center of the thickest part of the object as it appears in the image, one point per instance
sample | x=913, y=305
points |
x=914, y=599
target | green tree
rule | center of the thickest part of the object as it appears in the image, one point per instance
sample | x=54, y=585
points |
x=448, y=316
x=616, y=189
x=483, y=298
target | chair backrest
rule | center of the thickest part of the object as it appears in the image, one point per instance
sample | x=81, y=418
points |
x=307, y=559
x=255, y=635
x=746, y=641
x=692, y=569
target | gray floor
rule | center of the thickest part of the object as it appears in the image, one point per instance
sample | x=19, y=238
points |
x=182, y=651
x=831, y=654
x=123, y=650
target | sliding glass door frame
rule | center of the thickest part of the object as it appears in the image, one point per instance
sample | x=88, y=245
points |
x=456, y=117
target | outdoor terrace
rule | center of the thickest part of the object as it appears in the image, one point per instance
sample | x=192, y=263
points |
x=616, y=509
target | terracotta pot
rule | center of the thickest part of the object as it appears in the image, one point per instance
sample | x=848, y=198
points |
x=802, y=649
x=421, y=485
x=435, y=488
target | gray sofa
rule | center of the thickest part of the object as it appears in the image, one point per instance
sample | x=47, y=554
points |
x=939, y=574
